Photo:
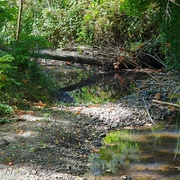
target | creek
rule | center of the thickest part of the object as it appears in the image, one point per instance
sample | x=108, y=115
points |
x=135, y=153
x=90, y=86
x=138, y=154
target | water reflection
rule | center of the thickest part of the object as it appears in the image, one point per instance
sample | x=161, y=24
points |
x=119, y=151
x=139, y=154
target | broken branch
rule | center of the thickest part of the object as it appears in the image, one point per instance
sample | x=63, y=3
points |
x=165, y=103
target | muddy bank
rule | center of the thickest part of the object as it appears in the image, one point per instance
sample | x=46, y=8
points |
x=54, y=142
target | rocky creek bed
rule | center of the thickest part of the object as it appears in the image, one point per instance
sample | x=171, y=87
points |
x=55, y=142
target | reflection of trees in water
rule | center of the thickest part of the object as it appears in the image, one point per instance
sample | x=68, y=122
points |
x=95, y=164
x=102, y=87
x=85, y=85
x=119, y=152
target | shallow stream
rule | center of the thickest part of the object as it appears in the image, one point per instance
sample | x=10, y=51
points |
x=138, y=154
x=131, y=154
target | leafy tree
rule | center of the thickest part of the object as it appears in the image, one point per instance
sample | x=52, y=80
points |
x=163, y=15
x=19, y=75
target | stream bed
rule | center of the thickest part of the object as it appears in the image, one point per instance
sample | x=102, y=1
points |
x=138, y=154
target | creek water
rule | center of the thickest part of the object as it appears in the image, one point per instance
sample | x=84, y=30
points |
x=138, y=154
x=131, y=154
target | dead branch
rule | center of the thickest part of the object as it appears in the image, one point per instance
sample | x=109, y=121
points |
x=166, y=103
x=156, y=84
x=147, y=110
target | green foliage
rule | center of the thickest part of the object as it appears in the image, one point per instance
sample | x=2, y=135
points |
x=66, y=24
x=95, y=23
x=170, y=37
x=137, y=7
x=163, y=18
x=8, y=16
x=104, y=23
x=5, y=109
x=25, y=47
x=92, y=94
x=6, y=68
x=6, y=13
x=20, y=76
x=117, y=22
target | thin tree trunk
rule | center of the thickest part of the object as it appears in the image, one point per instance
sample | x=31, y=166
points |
x=19, y=20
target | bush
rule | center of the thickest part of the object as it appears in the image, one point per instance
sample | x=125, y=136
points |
x=5, y=109
x=164, y=19
x=6, y=68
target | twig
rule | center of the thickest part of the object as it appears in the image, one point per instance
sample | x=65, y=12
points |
x=176, y=91
x=153, y=58
x=153, y=77
x=173, y=1
x=167, y=11
x=150, y=118
x=166, y=103
x=150, y=84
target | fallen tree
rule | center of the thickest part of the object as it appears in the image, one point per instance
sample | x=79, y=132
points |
x=107, y=57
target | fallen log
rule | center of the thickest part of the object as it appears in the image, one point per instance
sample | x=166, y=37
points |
x=73, y=57
x=108, y=62
x=108, y=58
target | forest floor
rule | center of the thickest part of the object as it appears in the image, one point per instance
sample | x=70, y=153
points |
x=55, y=142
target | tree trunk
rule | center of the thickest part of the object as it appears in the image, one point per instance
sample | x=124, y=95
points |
x=19, y=20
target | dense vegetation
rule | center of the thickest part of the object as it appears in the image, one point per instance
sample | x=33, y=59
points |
x=36, y=24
